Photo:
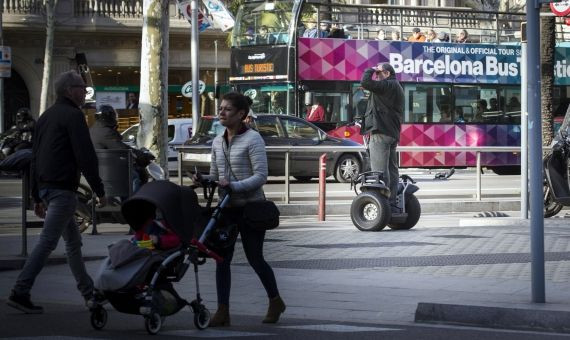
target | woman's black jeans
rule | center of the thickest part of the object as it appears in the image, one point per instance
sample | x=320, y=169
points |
x=252, y=241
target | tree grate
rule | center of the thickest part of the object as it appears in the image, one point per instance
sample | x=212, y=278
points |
x=459, y=236
x=364, y=245
x=415, y=261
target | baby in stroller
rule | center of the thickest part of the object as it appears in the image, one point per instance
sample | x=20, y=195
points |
x=155, y=234
x=139, y=280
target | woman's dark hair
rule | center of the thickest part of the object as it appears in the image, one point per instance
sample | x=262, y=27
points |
x=239, y=101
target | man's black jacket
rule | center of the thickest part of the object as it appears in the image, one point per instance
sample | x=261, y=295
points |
x=62, y=150
x=385, y=106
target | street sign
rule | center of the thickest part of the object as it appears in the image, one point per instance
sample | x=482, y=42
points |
x=187, y=88
x=5, y=62
x=561, y=8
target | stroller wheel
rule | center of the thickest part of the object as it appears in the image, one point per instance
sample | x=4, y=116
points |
x=153, y=323
x=202, y=318
x=98, y=317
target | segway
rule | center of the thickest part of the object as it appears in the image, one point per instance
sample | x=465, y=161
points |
x=371, y=210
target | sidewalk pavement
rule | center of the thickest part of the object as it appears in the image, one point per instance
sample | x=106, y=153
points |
x=449, y=268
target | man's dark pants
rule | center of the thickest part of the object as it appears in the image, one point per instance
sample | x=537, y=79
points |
x=383, y=157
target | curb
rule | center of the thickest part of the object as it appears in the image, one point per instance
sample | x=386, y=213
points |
x=428, y=206
x=494, y=317
x=16, y=263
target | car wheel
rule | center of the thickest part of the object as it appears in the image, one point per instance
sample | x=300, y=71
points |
x=347, y=167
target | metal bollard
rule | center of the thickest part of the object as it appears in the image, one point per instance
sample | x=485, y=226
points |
x=322, y=186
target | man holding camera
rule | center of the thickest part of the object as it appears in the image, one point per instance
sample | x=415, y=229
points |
x=383, y=120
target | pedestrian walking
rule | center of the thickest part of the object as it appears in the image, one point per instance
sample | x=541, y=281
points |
x=62, y=151
x=383, y=120
x=239, y=162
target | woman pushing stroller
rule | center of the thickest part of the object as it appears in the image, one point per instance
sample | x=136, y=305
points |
x=239, y=163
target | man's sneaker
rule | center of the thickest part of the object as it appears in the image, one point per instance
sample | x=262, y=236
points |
x=23, y=303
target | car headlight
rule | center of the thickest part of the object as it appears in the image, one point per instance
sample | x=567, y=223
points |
x=198, y=157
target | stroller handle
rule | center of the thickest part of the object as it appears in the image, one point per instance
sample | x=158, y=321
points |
x=201, y=247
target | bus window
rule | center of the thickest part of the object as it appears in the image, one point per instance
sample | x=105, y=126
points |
x=512, y=102
x=359, y=102
x=426, y=103
x=263, y=23
x=335, y=105
x=269, y=98
x=485, y=105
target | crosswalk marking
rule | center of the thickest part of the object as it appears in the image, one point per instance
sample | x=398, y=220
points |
x=340, y=328
x=211, y=333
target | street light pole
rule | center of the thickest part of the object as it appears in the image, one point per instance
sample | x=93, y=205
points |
x=194, y=61
x=216, y=77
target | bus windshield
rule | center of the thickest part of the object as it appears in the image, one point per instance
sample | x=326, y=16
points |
x=263, y=23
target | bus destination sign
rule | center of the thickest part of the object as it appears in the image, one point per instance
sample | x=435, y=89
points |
x=257, y=68
x=259, y=64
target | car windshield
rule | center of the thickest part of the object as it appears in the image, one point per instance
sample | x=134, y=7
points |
x=130, y=134
x=210, y=127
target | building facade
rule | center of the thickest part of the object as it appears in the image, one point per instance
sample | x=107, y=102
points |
x=107, y=35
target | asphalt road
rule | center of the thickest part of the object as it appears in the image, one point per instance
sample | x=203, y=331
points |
x=15, y=325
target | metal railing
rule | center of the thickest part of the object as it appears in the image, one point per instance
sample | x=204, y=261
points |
x=326, y=149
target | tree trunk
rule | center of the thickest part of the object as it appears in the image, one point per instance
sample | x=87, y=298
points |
x=547, y=28
x=50, y=30
x=153, y=98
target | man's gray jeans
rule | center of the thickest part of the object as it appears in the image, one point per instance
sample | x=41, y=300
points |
x=59, y=221
x=383, y=157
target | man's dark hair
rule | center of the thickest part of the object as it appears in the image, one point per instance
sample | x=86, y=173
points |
x=389, y=68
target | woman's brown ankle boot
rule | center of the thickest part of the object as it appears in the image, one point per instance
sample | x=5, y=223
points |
x=276, y=307
x=222, y=316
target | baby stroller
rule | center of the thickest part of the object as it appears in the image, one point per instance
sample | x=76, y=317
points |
x=139, y=281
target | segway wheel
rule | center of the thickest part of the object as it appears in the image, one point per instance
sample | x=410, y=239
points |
x=98, y=318
x=551, y=207
x=202, y=318
x=414, y=210
x=370, y=211
x=153, y=323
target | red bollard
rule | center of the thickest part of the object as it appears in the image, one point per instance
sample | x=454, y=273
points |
x=322, y=185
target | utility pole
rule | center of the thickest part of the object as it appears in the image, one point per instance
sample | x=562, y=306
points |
x=216, y=94
x=194, y=61
x=535, y=151
x=2, y=112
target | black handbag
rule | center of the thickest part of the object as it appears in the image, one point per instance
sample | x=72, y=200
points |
x=261, y=215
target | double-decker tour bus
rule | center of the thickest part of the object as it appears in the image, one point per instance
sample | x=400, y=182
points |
x=289, y=56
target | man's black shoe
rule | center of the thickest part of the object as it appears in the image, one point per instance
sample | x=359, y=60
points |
x=23, y=303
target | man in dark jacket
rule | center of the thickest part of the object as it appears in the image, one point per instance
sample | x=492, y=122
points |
x=104, y=135
x=383, y=120
x=61, y=151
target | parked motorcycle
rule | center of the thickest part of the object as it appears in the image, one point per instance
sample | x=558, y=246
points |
x=9, y=142
x=148, y=170
x=556, y=185
x=371, y=210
